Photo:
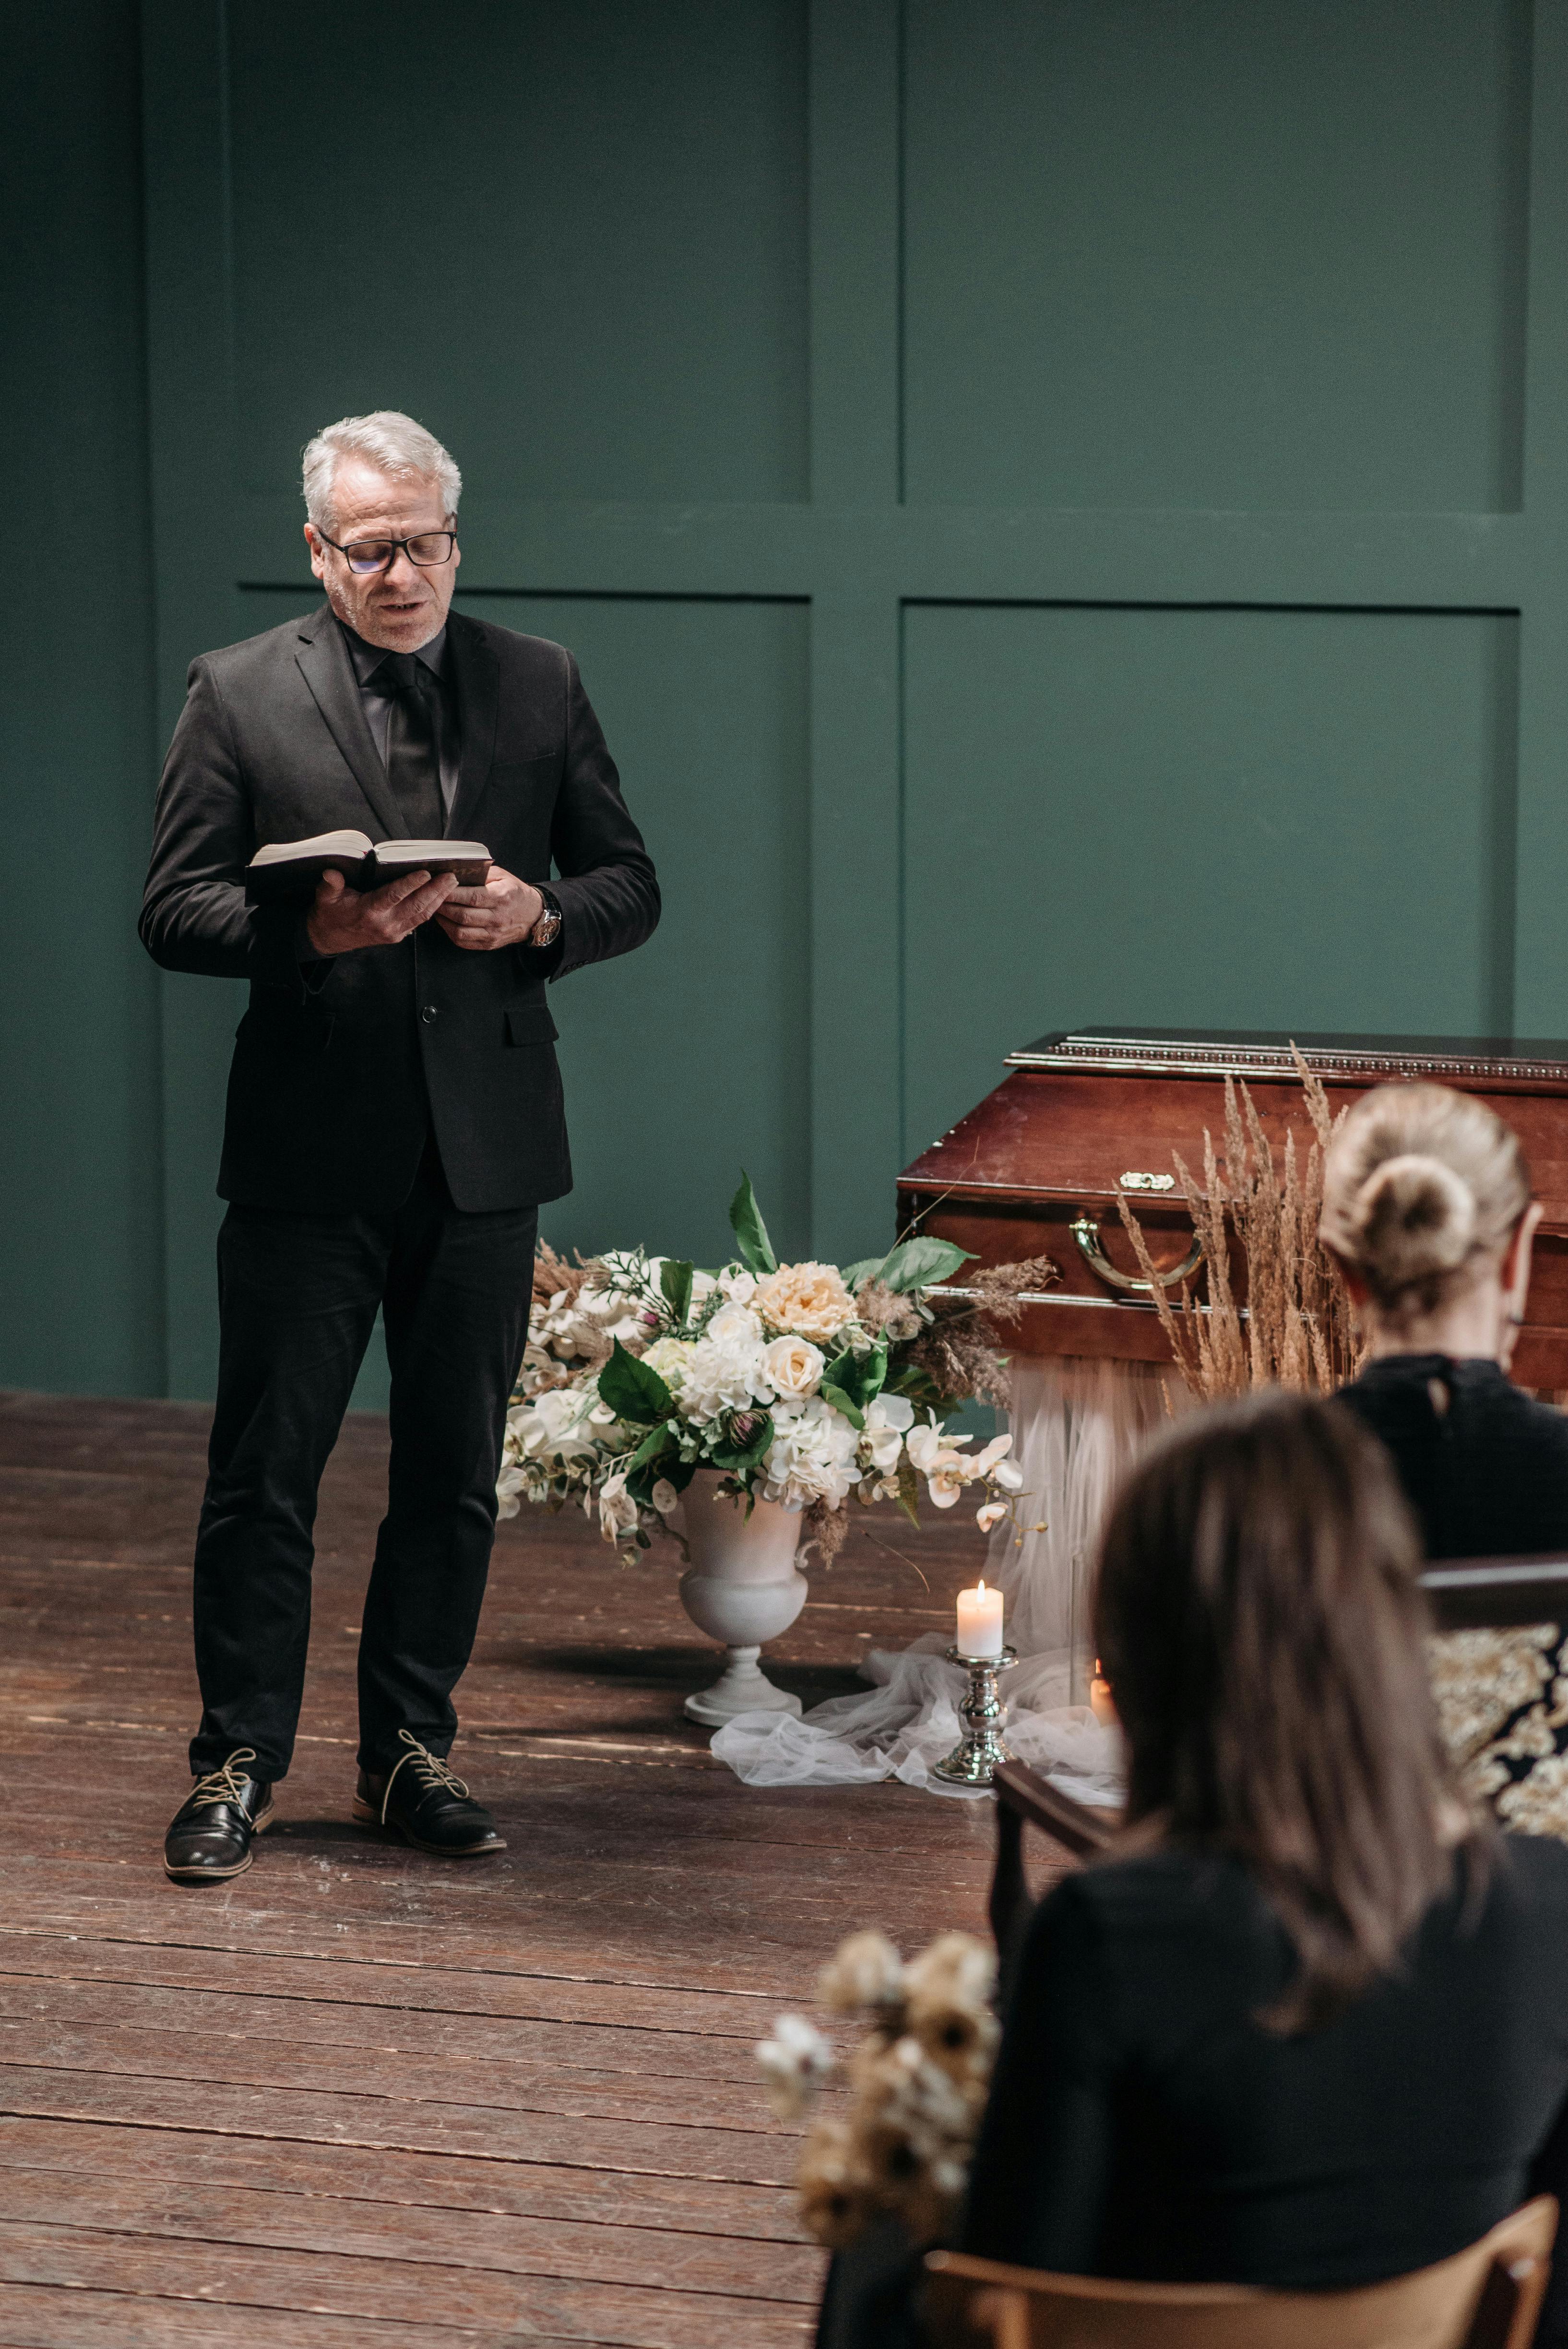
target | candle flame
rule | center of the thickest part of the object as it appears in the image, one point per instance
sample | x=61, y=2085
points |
x=980, y=1587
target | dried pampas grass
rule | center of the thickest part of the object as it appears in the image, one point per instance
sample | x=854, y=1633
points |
x=1298, y=1327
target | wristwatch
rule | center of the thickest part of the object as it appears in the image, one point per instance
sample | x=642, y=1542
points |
x=547, y=930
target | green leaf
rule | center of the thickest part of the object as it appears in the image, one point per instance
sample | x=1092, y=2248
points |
x=632, y=1391
x=675, y=1280
x=840, y=1402
x=856, y=1276
x=917, y=1262
x=750, y=1231
x=858, y=1376
x=660, y=1439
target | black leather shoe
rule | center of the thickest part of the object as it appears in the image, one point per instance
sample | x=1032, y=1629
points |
x=209, y=1838
x=427, y=1805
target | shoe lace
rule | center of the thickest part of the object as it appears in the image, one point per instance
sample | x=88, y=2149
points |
x=224, y=1785
x=429, y=1768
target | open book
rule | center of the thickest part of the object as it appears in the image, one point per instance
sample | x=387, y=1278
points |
x=291, y=868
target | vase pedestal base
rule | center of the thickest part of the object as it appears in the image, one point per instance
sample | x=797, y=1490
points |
x=741, y=1687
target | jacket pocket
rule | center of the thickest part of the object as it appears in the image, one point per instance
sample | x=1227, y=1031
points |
x=530, y=1023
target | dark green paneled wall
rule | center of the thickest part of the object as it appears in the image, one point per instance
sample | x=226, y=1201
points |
x=81, y=1286
x=1062, y=505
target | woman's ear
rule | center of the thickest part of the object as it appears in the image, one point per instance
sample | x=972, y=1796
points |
x=1515, y=1268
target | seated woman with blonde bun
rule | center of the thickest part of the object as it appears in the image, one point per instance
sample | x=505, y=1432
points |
x=1426, y=1210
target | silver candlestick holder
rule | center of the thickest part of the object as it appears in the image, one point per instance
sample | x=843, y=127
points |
x=972, y=1761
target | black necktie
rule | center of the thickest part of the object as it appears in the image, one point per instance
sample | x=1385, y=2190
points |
x=413, y=768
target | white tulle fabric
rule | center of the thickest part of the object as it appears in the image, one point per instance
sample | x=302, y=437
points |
x=1077, y=1425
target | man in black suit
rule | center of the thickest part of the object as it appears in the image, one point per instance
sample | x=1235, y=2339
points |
x=394, y=1110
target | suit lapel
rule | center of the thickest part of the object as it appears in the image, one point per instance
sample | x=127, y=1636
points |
x=477, y=672
x=323, y=661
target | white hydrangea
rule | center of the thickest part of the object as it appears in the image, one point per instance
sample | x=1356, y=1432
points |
x=812, y=1456
x=724, y=1371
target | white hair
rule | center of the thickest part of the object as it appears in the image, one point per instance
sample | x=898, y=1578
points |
x=390, y=441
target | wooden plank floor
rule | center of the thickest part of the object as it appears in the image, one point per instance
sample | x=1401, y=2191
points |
x=363, y=2097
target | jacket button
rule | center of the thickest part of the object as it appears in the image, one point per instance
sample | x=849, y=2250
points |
x=428, y=1013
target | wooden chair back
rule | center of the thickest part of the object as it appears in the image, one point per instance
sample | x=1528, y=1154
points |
x=1488, y=2297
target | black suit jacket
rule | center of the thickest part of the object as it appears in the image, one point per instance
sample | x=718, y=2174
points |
x=338, y=1064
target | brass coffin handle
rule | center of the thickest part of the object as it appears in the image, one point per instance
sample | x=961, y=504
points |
x=1084, y=1229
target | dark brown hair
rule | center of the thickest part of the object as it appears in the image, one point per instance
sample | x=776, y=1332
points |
x=1260, y=1620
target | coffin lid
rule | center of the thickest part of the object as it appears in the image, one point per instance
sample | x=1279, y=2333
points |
x=1086, y=1108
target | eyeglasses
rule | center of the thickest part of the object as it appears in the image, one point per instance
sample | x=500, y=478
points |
x=428, y=550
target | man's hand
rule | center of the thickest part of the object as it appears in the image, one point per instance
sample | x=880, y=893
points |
x=343, y=919
x=502, y=914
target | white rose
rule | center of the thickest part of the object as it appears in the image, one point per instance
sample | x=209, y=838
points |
x=793, y=1367
x=735, y=1325
x=737, y=1283
x=669, y=1357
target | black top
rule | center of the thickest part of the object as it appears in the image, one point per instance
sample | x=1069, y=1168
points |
x=1487, y=1476
x=1142, y=2123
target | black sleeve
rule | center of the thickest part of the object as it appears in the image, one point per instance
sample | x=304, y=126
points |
x=194, y=917
x=1038, y=2190
x=608, y=892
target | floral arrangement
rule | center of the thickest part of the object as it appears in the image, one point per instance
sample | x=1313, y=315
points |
x=801, y=1384
x=917, y=2084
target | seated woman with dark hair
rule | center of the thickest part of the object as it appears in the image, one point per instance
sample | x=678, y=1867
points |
x=1427, y=1210
x=1306, y=2025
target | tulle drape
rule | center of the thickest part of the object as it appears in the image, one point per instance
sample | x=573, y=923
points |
x=1077, y=1425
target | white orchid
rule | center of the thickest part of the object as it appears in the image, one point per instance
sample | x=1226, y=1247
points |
x=942, y=1463
x=888, y=1419
x=992, y=1514
x=617, y=1510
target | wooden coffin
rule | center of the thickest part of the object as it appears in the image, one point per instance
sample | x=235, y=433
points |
x=1084, y=1116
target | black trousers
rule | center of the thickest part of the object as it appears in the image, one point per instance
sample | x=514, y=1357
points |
x=297, y=1296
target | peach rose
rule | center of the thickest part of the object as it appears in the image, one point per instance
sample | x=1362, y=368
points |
x=793, y=1367
x=804, y=1300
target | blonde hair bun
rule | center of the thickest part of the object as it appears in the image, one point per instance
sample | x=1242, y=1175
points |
x=1412, y=1217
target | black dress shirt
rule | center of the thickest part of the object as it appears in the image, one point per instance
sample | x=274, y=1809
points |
x=377, y=704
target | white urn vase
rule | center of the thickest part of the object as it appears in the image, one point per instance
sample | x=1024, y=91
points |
x=741, y=1588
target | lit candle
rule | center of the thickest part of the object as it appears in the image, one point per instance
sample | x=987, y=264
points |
x=1101, y=1703
x=979, y=1622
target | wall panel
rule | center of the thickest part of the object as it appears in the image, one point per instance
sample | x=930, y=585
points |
x=1059, y=501
x=594, y=281
x=1251, y=819
x=1201, y=252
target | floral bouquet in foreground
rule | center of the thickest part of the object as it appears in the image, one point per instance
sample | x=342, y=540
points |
x=917, y=2085
x=801, y=1384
